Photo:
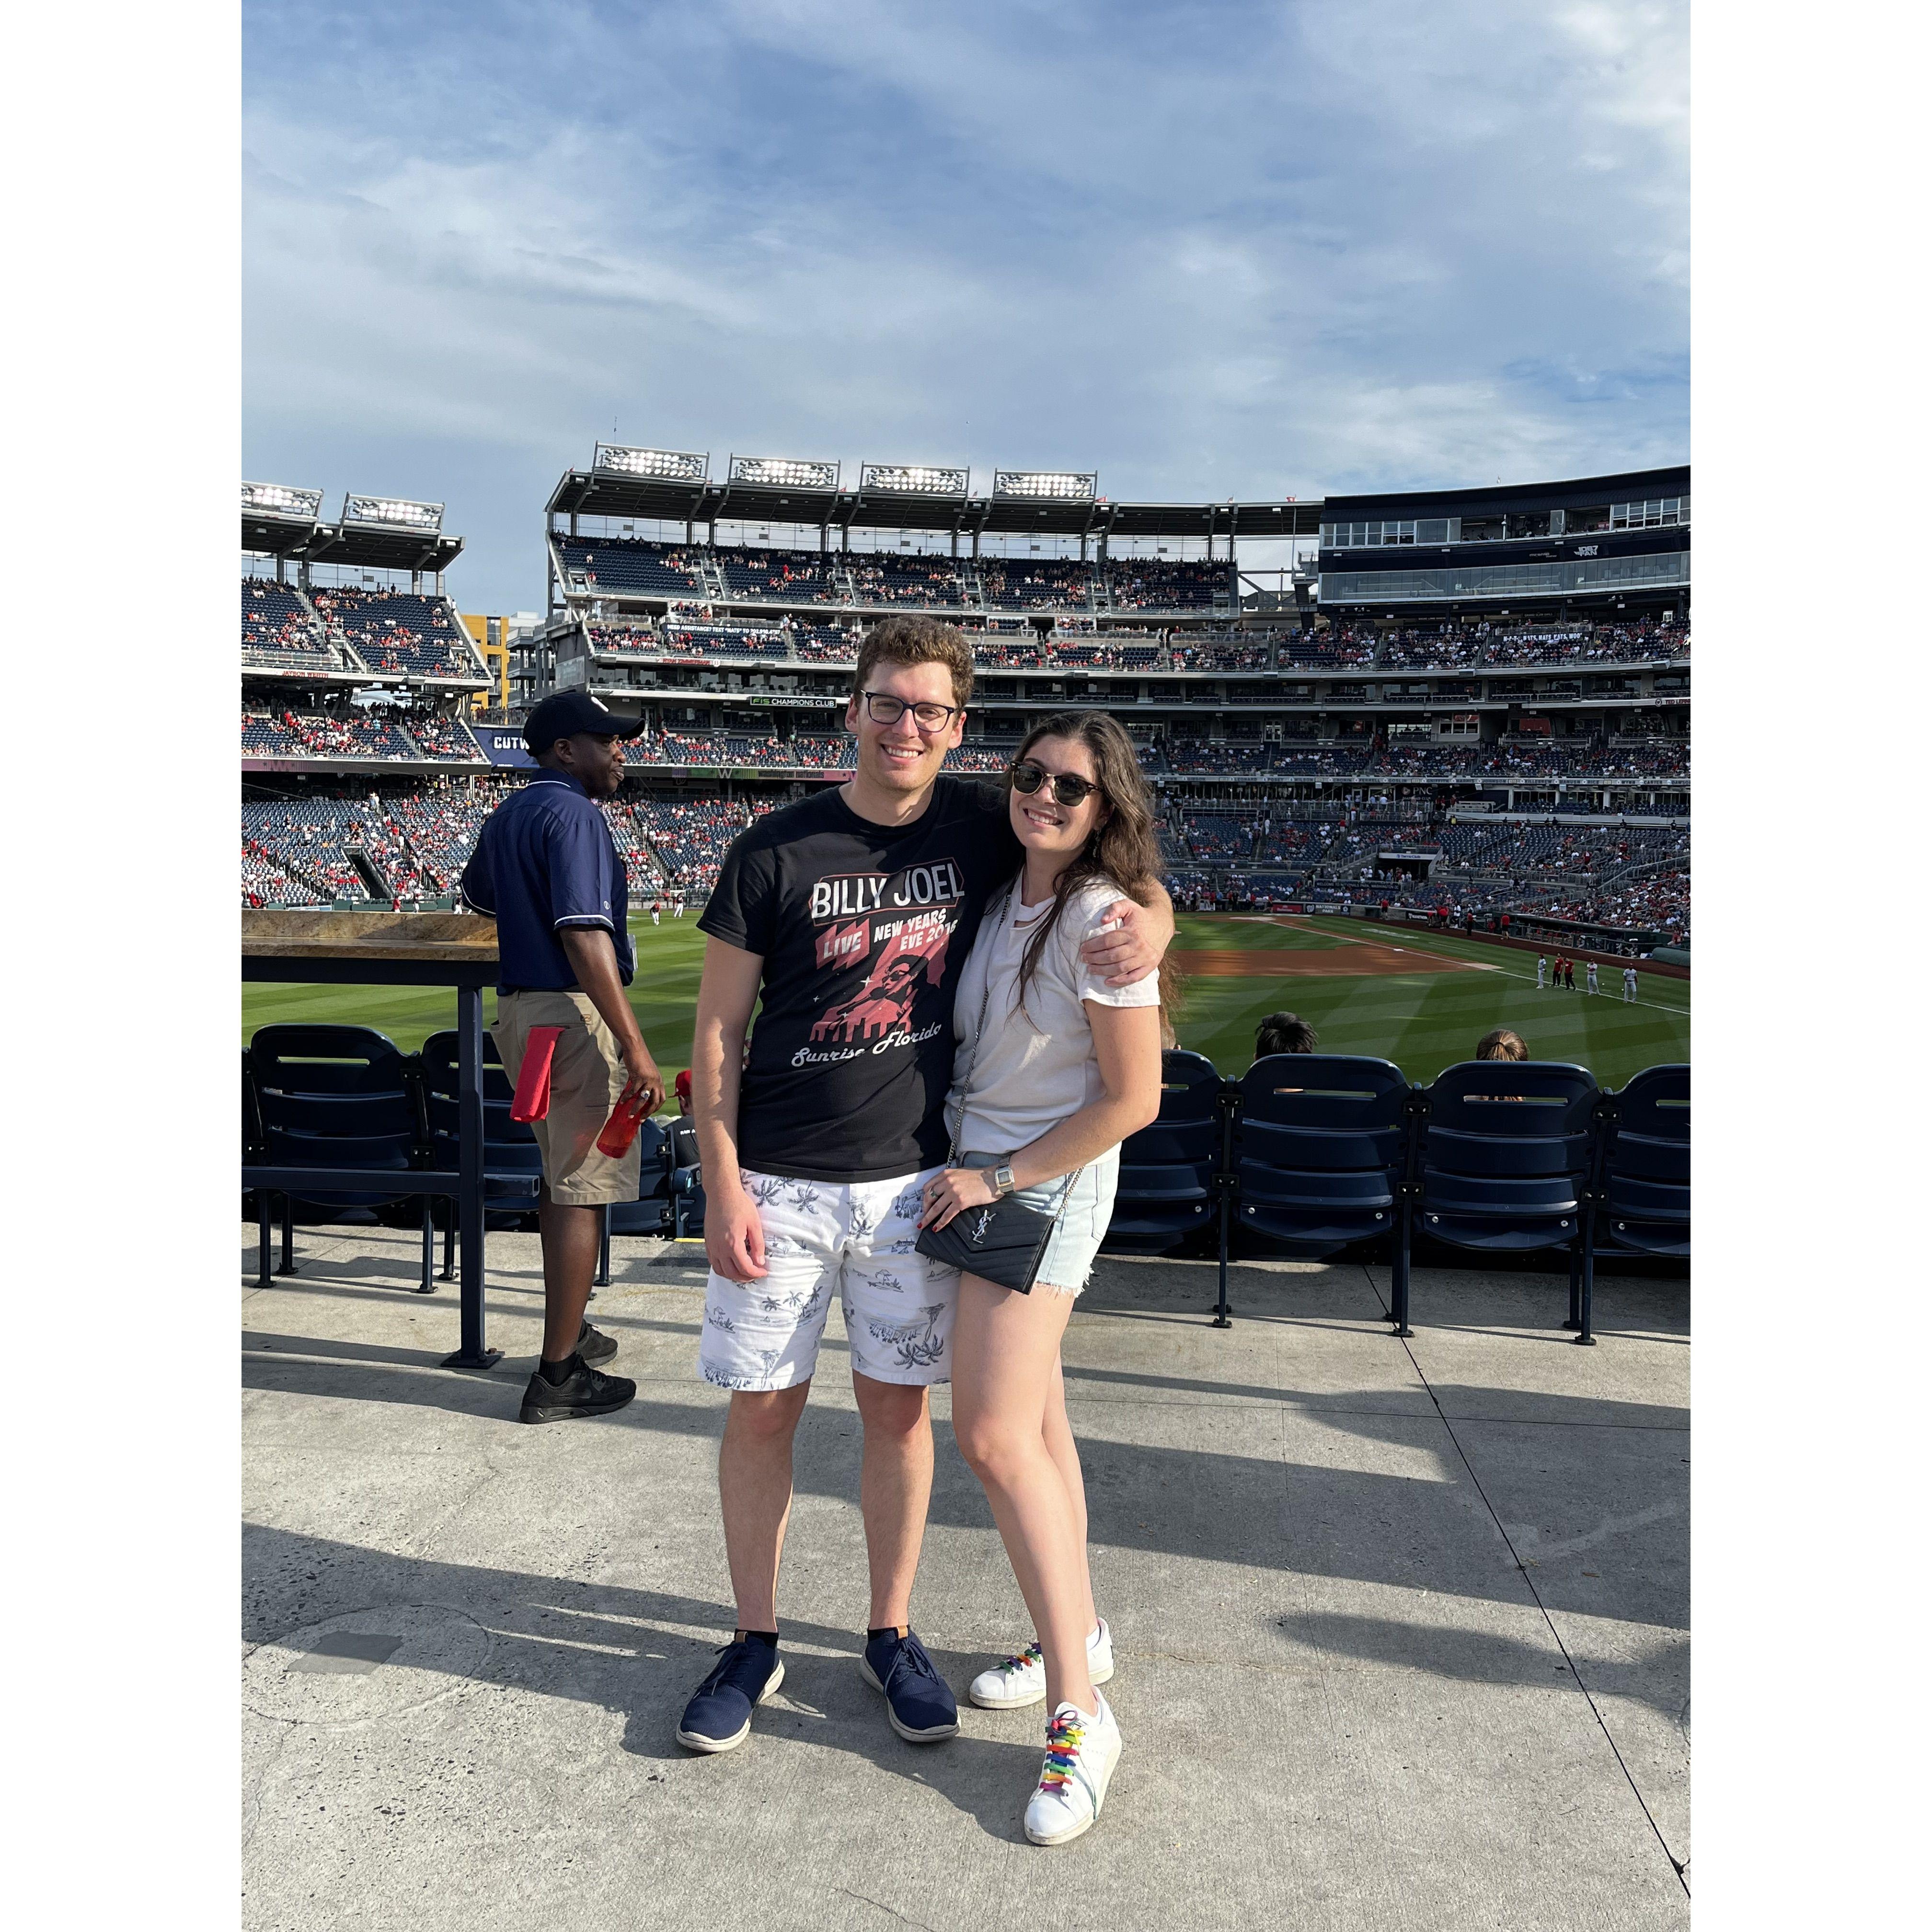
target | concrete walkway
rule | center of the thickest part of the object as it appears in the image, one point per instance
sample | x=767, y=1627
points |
x=1401, y=1629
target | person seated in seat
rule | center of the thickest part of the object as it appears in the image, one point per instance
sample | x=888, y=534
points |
x=1499, y=1043
x=1283, y=1033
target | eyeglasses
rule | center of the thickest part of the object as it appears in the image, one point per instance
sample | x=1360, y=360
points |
x=1028, y=777
x=883, y=708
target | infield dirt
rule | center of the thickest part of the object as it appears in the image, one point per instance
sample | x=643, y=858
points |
x=1330, y=962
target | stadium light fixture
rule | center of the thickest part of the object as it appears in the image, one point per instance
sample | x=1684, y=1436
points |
x=282, y=499
x=661, y=466
x=1066, y=486
x=784, y=473
x=913, y=479
x=395, y=513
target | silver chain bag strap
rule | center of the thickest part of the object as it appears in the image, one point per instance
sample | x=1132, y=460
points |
x=1002, y=1242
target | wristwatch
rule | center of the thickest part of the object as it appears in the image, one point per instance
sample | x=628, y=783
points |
x=1002, y=1181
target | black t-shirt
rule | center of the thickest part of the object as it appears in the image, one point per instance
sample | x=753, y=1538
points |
x=864, y=930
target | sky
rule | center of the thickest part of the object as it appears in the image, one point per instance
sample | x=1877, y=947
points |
x=1207, y=250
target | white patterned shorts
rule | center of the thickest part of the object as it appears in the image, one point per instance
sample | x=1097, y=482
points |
x=854, y=1238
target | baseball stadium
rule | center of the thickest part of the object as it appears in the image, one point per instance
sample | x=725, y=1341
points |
x=1411, y=751
x=1395, y=1537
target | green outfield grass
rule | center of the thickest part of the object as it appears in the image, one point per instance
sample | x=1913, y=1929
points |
x=1423, y=1021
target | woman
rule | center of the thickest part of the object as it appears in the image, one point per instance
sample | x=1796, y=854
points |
x=1053, y=1069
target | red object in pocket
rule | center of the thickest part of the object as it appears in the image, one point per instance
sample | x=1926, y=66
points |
x=531, y=1101
x=621, y=1129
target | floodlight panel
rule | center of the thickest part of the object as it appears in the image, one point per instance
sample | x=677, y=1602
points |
x=913, y=479
x=1060, y=485
x=398, y=513
x=282, y=499
x=665, y=466
x=784, y=473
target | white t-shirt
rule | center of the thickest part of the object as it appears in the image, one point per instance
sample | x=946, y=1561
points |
x=1033, y=1068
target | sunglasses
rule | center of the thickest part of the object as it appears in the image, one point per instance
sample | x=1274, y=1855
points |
x=1027, y=777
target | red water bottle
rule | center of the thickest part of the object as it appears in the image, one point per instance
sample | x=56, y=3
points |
x=621, y=1129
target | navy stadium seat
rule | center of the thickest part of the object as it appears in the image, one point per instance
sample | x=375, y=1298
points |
x=1320, y=1141
x=1165, y=1196
x=509, y=1148
x=335, y=1097
x=687, y=1181
x=1643, y=1173
x=1503, y=1164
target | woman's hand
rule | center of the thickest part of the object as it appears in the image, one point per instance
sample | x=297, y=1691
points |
x=957, y=1188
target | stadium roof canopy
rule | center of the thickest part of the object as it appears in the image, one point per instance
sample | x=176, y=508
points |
x=1575, y=494
x=898, y=498
x=373, y=533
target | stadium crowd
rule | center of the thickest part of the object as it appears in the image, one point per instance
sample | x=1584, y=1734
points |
x=380, y=735
x=398, y=634
x=277, y=631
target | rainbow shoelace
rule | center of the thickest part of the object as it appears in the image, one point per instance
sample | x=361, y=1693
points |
x=1063, y=1746
x=1030, y=1655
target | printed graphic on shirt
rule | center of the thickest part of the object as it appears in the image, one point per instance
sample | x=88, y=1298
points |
x=897, y=926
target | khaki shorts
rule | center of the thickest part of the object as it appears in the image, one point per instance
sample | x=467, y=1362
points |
x=585, y=1077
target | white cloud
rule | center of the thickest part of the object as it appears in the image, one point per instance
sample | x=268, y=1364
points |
x=1246, y=250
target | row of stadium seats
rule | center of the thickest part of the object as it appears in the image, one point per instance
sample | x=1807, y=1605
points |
x=626, y=565
x=317, y=1097
x=411, y=737
x=390, y=632
x=418, y=838
x=1306, y=1155
x=397, y=634
x=1586, y=760
x=1330, y=651
x=1484, y=646
x=279, y=630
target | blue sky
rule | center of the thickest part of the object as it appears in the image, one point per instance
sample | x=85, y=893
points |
x=1210, y=250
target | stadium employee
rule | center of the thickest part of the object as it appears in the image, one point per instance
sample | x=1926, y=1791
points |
x=547, y=869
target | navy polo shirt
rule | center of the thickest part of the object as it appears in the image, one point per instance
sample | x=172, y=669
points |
x=545, y=859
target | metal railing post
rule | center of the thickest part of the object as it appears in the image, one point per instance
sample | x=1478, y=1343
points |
x=472, y=1353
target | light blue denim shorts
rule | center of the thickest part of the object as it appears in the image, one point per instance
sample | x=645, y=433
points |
x=1068, y=1258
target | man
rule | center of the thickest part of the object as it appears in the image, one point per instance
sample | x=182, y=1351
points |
x=1569, y=974
x=847, y=918
x=1590, y=976
x=1542, y=972
x=1630, y=985
x=547, y=868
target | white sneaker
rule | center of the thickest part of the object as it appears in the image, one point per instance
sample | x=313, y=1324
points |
x=1081, y=1754
x=1021, y=1680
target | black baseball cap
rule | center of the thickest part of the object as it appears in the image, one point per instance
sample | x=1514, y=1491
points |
x=565, y=713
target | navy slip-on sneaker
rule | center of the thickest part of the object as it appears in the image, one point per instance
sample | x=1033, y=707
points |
x=718, y=1717
x=918, y=1701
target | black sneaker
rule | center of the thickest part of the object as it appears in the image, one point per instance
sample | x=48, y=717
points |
x=584, y=1391
x=594, y=1346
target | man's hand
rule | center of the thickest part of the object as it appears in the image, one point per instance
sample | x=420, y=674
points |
x=734, y=1236
x=1134, y=948
x=643, y=1074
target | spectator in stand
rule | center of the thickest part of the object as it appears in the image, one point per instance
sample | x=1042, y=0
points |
x=1501, y=1044
x=1283, y=1033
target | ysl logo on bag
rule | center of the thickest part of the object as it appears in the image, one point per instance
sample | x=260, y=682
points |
x=981, y=1224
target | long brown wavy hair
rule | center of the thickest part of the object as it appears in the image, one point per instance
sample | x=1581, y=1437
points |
x=1124, y=847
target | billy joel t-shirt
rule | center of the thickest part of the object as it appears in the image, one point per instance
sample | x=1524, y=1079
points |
x=864, y=929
